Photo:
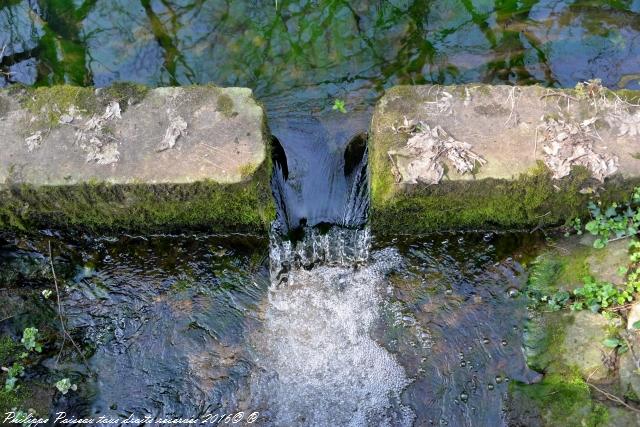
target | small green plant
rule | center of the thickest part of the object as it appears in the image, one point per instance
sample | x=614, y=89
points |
x=338, y=105
x=558, y=300
x=616, y=221
x=15, y=371
x=46, y=293
x=64, y=385
x=30, y=340
x=576, y=224
x=616, y=343
x=597, y=295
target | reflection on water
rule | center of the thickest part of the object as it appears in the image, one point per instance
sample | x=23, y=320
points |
x=324, y=48
x=429, y=329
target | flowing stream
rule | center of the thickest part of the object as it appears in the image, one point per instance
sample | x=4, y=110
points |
x=354, y=331
x=321, y=324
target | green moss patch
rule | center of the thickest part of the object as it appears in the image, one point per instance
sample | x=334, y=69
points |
x=48, y=104
x=560, y=400
x=243, y=207
x=124, y=93
x=225, y=105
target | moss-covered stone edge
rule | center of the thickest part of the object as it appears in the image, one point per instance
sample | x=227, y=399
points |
x=246, y=206
x=532, y=199
x=528, y=200
x=205, y=205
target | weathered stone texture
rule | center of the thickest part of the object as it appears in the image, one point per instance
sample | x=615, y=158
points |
x=167, y=157
x=508, y=127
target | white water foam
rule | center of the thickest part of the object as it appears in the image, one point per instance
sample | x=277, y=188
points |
x=319, y=364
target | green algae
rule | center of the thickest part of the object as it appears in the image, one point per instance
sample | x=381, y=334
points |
x=243, y=207
x=531, y=200
x=562, y=400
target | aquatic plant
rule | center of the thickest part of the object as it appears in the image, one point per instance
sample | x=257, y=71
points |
x=339, y=106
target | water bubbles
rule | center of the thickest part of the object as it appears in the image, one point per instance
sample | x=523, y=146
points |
x=463, y=364
x=486, y=340
x=498, y=379
x=487, y=237
x=490, y=387
x=448, y=292
x=464, y=397
x=513, y=292
x=504, y=343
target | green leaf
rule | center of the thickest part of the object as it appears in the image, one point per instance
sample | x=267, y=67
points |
x=599, y=244
x=612, y=342
x=611, y=211
x=636, y=324
x=338, y=105
x=592, y=227
x=10, y=383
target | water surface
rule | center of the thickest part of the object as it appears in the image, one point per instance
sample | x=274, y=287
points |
x=422, y=331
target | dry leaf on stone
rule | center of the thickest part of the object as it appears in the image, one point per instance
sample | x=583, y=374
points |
x=421, y=159
x=569, y=144
x=99, y=146
x=112, y=111
x=102, y=153
x=33, y=141
x=442, y=105
x=627, y=123
x=177, y=127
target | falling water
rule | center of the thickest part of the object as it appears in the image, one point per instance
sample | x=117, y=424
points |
x=319, y=363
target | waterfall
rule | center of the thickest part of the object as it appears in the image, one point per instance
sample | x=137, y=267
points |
x=318, y=363
x=336, y=247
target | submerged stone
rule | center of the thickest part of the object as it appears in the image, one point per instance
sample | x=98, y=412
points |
x=127, y=157
x=537, y=156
